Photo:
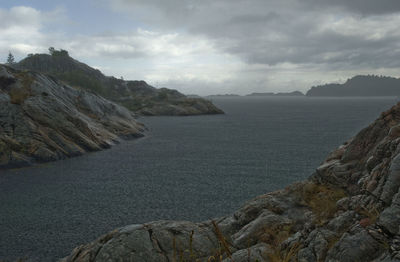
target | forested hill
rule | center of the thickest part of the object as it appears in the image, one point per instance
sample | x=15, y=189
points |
x=360, y=85
x=137, y=96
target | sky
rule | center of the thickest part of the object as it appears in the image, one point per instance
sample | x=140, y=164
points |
x=213, y=46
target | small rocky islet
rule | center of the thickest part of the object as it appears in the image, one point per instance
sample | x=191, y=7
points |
x=347, y=210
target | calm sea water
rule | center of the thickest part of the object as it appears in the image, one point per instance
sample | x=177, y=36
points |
x=187, y=168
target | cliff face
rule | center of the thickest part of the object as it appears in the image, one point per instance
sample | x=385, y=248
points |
x=42, y=120
x=348, y=210
x=360, y=86
x=137, y=96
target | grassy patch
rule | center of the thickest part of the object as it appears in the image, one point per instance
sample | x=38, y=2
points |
x=275, y=236
x=19, y=94
x=322, y=200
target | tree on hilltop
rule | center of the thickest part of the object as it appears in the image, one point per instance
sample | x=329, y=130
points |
x=61, y=52
x=10, y=59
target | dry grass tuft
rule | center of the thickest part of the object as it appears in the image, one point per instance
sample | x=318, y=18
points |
x=275, y=238
x=370, y=215
x=19, y=94
x=322, y=200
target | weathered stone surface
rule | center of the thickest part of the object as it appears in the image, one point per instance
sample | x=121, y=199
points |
x=259, y=228
x=358, y=247
x=392, y=181
x=342, y=222
x=43, y=120
x=258, y=252
x=390, y=217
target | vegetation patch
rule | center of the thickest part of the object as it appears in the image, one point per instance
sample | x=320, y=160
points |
x=18, y=94
x=80, y=80
x=275, y=237
x=322, y=200
x=370, y=215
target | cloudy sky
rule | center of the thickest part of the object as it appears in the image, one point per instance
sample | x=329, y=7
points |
x=213, y=46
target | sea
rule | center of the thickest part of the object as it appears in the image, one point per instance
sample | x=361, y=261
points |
x=185, y=168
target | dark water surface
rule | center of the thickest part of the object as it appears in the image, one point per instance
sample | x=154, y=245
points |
x=187, y=168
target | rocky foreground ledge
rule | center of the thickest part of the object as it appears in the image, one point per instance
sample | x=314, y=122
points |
x=348, y=210
x=41, y=120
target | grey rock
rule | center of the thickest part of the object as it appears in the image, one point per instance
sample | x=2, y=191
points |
x=259, y=252
x=317, y=243
x=43, y=120
x=393, y=180
x=358, y=247
x=306, y=255
x=259, y=228
x=387, y=257
x=390, y=217
x=342, y=222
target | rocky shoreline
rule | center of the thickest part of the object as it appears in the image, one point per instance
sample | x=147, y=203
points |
x=42, y=119
x=348, y=210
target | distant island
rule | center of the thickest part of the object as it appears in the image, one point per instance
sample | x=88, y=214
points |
x=222, y=95
x=294, y=93
x=360, y=85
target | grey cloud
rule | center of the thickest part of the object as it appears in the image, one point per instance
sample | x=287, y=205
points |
x=251, y=19
x=273, y=32
x=366, y=7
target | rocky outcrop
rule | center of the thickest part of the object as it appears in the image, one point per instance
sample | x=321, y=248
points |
x=137, y=96
x=348, y=210
x=42, y=120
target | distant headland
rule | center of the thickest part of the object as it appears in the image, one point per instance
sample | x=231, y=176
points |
x=360, y=85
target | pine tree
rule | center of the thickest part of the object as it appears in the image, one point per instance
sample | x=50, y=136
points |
x=10, y=59
x=52, y=50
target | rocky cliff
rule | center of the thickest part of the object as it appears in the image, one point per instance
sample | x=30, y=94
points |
x=137, y=96
x=348, y=210
x=42, y=120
